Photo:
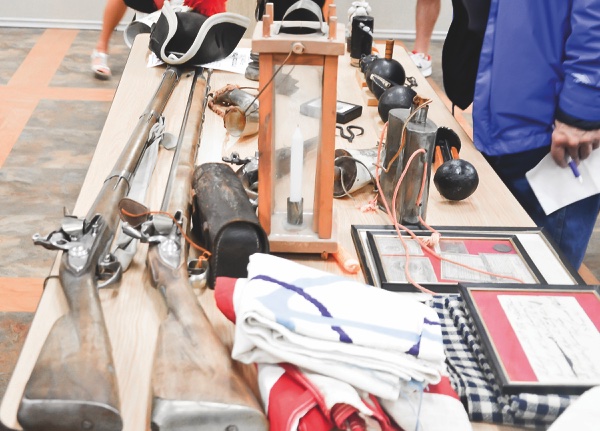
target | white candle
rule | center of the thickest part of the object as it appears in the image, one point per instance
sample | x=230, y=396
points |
x=296, y=162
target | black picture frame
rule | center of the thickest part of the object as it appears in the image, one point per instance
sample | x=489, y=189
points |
x=374, y=270
x=559, y=354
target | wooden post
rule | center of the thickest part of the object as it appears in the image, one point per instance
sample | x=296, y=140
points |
x=327, y=9
x=332, y=28
x=270, y=10
x=265, y=143
x=323, y=205
x=267, y=21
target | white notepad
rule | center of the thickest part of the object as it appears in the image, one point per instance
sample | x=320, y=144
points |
x=557, y=187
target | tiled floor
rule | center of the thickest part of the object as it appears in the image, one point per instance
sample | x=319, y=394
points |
x=52, y=111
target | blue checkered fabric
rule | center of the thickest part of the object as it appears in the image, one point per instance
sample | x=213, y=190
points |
x=473, y=379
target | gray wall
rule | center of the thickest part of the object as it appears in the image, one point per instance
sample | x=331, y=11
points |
x=393, y=18
x=83, y=14
x=396, y=18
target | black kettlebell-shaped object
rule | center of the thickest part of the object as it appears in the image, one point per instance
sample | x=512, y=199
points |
x=397, y=96
x=387, y=68
x=454, y=178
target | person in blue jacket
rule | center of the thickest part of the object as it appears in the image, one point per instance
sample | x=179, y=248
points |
x=538, y=91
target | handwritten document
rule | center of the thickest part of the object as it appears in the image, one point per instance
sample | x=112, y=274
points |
x=559, y=339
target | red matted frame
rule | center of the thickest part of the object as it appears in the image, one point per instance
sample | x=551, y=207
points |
x=512, y=365
x=376, y=269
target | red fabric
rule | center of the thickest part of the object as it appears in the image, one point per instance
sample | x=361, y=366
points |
x=385, y=421
x=294, y=373
x=290, y=400
x=314, y=420
x=346, y=416
x=340, y=414
x=444, y=387
x=207, y=7
x=224, y=287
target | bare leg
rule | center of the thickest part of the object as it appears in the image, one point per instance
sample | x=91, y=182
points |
x=426, y=16
x=113, y=13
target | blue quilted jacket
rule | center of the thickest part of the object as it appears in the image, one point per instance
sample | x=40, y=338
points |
x=528, y=75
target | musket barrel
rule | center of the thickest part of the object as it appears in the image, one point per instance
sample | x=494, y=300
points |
x=182, y=168
x=117, y=184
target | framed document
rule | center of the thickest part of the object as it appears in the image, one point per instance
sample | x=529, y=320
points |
x=538, y=338
x=462, y=255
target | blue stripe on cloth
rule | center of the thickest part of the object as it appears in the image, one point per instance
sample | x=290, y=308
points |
x=276, y=302
x=414, y=350
x=344, y=338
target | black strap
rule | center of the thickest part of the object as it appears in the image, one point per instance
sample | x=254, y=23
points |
x=460, y=54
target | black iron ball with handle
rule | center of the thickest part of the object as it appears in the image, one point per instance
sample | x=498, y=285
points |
x=455, y=178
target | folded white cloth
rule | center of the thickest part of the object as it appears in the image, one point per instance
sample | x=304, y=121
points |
x=370, y=338
x=427, y=411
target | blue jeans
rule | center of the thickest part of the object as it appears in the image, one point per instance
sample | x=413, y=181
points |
x=570, y=227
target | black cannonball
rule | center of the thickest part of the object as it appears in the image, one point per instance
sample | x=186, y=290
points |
x=390, y=70
x=398, y=96
x=456, y=179
x=379, y=85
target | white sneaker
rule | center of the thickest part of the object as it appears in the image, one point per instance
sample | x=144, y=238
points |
x=423, y=62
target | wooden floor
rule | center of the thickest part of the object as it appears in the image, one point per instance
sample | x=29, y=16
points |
x=52, y=111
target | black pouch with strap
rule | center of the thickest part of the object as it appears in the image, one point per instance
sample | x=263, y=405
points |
x=225, y=221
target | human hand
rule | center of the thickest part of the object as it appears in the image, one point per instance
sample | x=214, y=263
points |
x=571, y=141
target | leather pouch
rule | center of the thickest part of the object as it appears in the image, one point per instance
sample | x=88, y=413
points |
x=225, y=221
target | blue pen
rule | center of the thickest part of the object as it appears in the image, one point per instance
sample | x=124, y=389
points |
x=574, y=169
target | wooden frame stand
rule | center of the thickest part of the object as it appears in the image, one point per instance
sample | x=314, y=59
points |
x=317, y=234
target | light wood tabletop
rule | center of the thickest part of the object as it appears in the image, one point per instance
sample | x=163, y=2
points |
x=134, y=310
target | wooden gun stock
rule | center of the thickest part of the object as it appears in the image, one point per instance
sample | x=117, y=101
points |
x=194, y=384
x=73, y=384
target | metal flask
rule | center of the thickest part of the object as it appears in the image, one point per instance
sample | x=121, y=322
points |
x=354, y=169
x=420, y=133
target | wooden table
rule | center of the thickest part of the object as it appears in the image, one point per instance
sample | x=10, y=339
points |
x=134, y=311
